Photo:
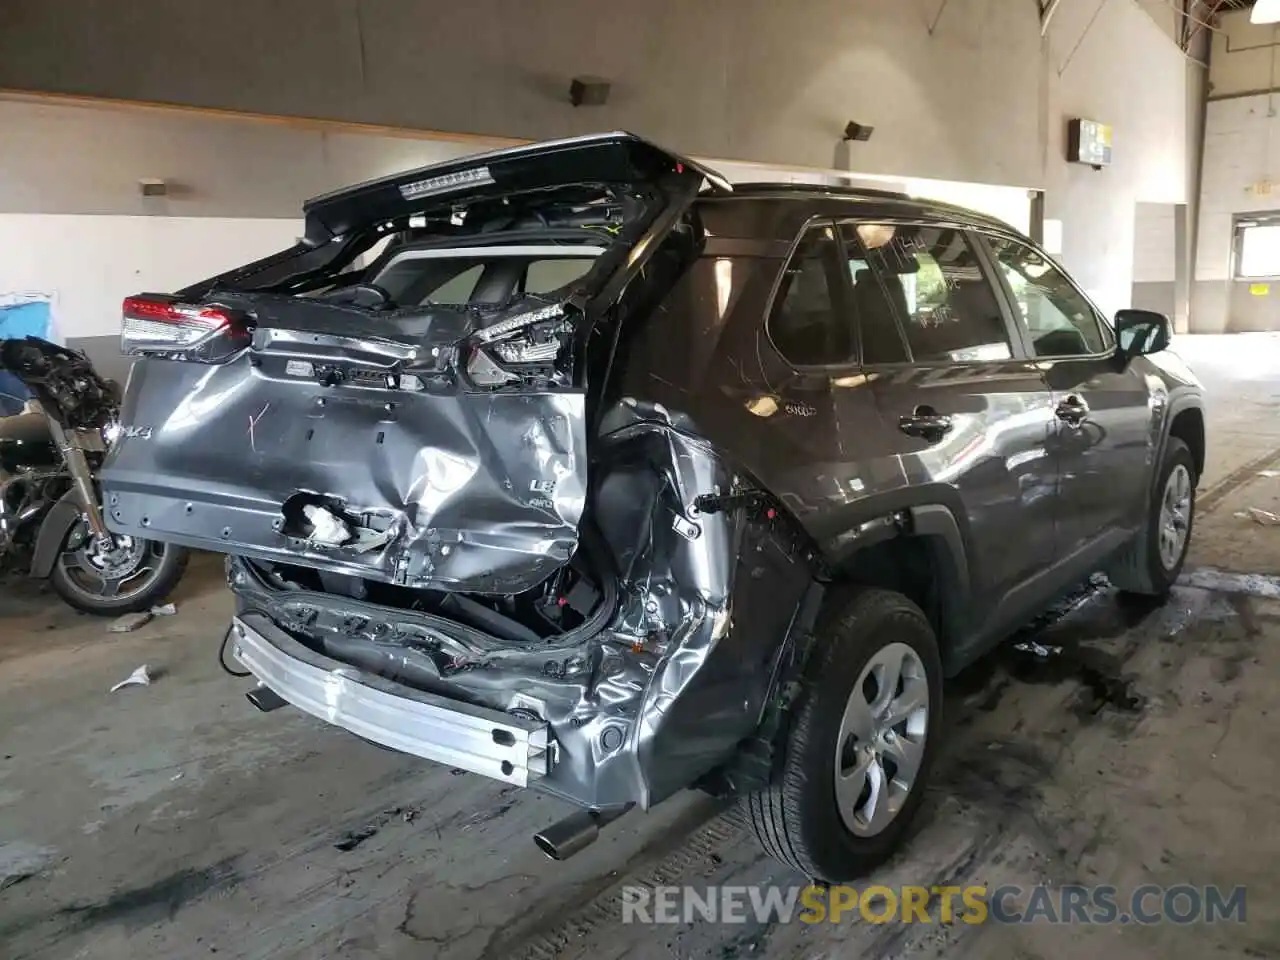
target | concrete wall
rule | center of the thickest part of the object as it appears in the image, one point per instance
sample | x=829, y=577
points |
x=745, y=79
x=1155, y=257
x=62, y=158
x=1242, y=59
x=1097, y=51
x=1241, y=172
x=74, y=225
x=981, y=98
x=1241, y=175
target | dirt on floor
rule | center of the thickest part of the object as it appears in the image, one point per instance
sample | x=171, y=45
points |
x=175, y=820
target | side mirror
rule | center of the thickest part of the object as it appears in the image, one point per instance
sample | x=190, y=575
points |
x=1140, y=332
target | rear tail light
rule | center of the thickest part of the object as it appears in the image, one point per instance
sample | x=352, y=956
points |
x=155, y=325
x=519, y=348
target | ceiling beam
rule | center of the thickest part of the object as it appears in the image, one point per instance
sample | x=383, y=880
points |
x=1047, y=9
x=1196, y=25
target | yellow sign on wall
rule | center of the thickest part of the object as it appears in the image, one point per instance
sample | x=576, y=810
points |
x=1259, y=289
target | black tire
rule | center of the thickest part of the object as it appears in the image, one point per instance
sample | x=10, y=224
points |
x=797, y=819
x=170, y=567
x=1139, y=569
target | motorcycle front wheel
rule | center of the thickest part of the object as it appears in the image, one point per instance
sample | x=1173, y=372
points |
x=134, y=575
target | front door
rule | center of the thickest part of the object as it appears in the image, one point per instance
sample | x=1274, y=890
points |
x=1104, y=439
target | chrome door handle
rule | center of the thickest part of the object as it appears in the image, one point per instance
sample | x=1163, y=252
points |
x=1072, y=411
x=926, y=423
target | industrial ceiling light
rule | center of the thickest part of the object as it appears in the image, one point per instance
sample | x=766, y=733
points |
x=1265, y=11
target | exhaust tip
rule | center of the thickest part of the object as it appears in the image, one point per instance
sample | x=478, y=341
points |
x=570, y=836
x=576, y=832
x=546, y=846
x=266, y=699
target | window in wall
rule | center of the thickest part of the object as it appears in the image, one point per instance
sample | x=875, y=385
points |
x=807, y=325
x=1060, y=320
x=1257, y=247
x=930, y=280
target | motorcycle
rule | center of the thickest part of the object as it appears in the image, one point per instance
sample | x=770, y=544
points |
x=51, y=514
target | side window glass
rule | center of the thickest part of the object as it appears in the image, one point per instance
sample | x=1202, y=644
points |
x=545, y=276
x=873, y=303
x=457, y=289
x=931, y=279
x=1060, y=320
x=806, y=326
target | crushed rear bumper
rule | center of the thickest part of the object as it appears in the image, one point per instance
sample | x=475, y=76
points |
x=507, y=747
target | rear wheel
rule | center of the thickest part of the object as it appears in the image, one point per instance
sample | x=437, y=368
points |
x=134, y=575
x=1151, y=563
x=861, y=743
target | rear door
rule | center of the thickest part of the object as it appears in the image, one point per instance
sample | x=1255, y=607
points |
x=1104, y=436
x=964, y=417
x=808, y=448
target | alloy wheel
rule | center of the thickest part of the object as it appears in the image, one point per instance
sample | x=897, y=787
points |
x=882, y=738
x=1175, y=516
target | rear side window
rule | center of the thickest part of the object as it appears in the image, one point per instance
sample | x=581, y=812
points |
x=931, y=280
x=807, y=325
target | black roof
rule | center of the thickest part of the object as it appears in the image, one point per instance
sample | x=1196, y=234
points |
x=863, y=200
x=861, y=197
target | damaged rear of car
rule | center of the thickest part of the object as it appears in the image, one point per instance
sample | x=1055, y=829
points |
x=450, y=531
x=571, y=466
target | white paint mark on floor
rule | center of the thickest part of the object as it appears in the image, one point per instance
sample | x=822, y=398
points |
x=20, y=859
x=1254, y=584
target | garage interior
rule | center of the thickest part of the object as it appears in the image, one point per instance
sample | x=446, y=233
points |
x=144, y=146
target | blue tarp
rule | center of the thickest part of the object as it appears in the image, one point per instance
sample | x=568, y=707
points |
x=25, y=318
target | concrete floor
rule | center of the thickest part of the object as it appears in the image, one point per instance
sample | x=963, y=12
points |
x=176, y=821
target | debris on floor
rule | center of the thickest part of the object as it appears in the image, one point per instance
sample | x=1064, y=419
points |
x=139, y=678
x=1037, y=648
x=1269, y=473
x=353, y=838
x=164, y=610
x=1258, y=515
x=129, y=622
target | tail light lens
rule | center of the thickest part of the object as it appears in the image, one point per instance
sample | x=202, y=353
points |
x=521, y=348
x=158, y=325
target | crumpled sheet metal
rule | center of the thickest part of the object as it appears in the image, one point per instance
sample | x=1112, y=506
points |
x=482, y=492
x=663, y=694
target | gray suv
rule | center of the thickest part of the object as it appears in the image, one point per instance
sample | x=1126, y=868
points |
x=573, y=466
